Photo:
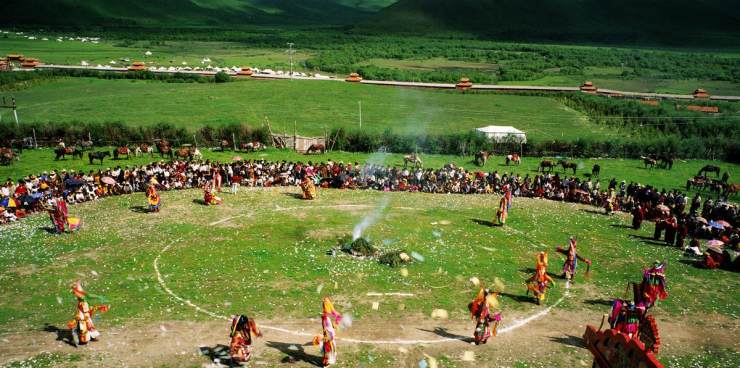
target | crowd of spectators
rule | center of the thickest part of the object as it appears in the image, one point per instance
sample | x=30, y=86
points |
x=19, y=198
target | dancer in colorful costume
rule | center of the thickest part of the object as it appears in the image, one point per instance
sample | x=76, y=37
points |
x=503, y=206
x=571, y=260
x=653, y=286
x=59, y=215
x=330, y=319
x=243, y=330
x=83, y=328
x=209, y=195
x=540, y=281
x=152, y=196
x=307, y=185
x=626, y=317
x=481, y=312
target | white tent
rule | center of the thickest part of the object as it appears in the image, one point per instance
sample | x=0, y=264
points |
x=500, y=134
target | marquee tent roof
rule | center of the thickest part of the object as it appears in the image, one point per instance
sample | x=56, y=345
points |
x=503, y=133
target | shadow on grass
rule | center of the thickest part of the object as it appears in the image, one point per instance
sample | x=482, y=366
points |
x=64, y=335
x=294, y=195
x=443, y=332
x=648, y=240
x=595, y=212
x=295, y=353
x=220, y=352
x=605, y=302
x=518, y=298
x=50, y=229
x=200, y=202
x=569, y=340
x=621, y=226
x=139, y=209
x=485, y=223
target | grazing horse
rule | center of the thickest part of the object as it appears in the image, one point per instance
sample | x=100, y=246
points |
x=7, y=155
x=596, y=171
x=142, y=149
x=120, y=151
x=696, y=182
x=252, y=146
x=481, y=157
x=72, y=151
x=707, y=169
x=666, y=162
x=649, y=161
x=514, y=157
x=164, y=148
x=189, y=153
x=224, y=145
x=316, y=147
x=414, y=159
x=97, y=156
x=731, y=189
x=568, y=165
x=546, y=164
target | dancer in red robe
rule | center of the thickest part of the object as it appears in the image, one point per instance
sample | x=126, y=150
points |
x=481, y=311
x=243, y=331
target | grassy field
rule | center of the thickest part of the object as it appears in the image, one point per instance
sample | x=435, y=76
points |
x=602, y=77
x=170, y=53
x=37, y=161
x=264, y=252
x=221, y=53
x=313, y=105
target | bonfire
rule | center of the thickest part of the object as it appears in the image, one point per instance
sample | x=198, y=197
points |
x=362, y=248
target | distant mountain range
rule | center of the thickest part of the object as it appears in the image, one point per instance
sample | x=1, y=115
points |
x=186, y=13
x=665, y=22
x=671, y=22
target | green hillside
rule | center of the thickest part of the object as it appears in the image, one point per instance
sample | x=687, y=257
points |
x=671, y=22
x=179, y=13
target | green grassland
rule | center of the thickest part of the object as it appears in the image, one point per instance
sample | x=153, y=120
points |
x=312, y=105
x=479, y=58
x=602, y=77
x=36, y=161
x=271, y=260
x=170, y=53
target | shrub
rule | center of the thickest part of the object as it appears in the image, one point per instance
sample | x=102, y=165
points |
x=222, y=77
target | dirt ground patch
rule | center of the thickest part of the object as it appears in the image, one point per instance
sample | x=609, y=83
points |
x=180, y=343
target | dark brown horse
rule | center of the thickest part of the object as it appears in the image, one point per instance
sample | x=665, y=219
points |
x=481, y=157
x=666, y=162
x=97, y=156
x=164, y=147
x=596, y=171
x=316, y=147
x=121, y=151
x=72, y=151
x=546, y=164
x=568, y=165
x=708, y=169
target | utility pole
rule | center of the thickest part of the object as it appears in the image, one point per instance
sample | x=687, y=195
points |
x=359, y=103
x=290, y=55
x=12, y=106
